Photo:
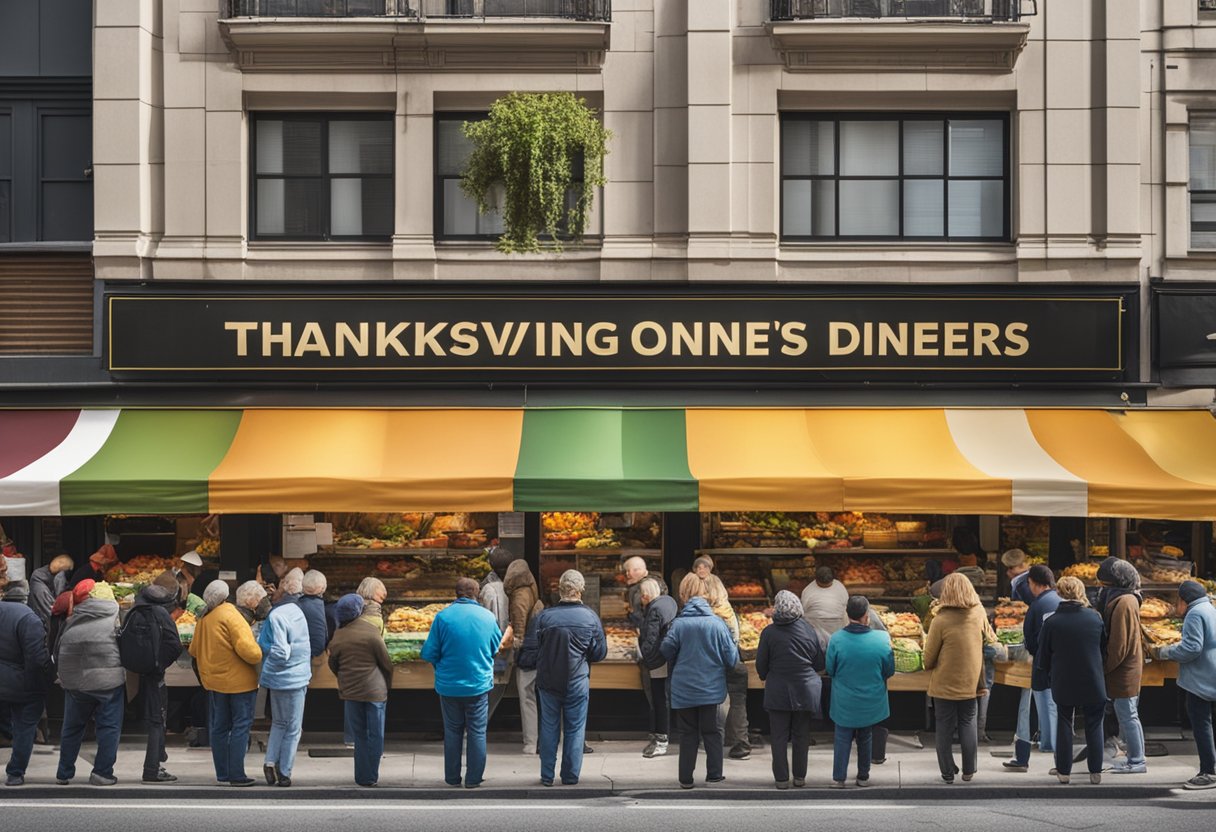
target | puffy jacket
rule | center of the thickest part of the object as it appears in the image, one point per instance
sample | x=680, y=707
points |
x=87, y=657
x=159, y=602
x=24, y=661
x=1042, y=608
x=561, y=644
x=700, y=650
x=860, y=661
x=286, y=649
x=226, y=652
x=1196, y=653
x=789, y=659
x=524, y=597
x=463, y=641
x=657, y=621
x=313, y=607
x=1070, y=654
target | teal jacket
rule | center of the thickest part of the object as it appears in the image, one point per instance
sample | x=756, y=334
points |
x=463, y=641
x=860, y=661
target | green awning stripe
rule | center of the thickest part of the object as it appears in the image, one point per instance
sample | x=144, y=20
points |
x=604, y=460
x=154, y=462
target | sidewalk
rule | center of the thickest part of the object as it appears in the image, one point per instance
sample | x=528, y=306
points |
x=415, y=770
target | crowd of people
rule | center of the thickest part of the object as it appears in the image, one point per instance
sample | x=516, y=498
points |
x=256, y=648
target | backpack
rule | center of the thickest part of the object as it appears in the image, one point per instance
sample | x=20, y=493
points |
x=139, y=642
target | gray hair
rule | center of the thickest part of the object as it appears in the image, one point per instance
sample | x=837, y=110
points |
x=636, y=562
x=315, y=582
x=215, y=594
x=293, y=582
x=571, y=584
x=649, y=588
x=368, y=588
x=250, y=594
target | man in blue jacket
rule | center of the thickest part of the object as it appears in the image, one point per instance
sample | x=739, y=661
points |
x=24, y=663
x=463, y=641
x=1196, y=657
x=312, y=603
x=561, y=644
x=1042, y=585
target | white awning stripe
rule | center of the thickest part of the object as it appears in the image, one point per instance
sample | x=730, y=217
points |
x=34, y=490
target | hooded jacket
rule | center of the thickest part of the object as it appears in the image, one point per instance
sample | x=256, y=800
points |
x=159, y=603
x=860, y=661
x=313, y=607
x=1196, y=653
x=561, y=644
x=661, y=612
x=286, y=649
x=524, y=597
x=700, y=650
x=1070, y=654
x=1124, y=662
x=44, y=589
x=493, y=596
x=789, y=659
x=226, y=652
x=87, y=657
x=24, y=661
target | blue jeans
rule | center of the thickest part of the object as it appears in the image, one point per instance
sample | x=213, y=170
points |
x=229, y=718
x=286, y=722
x=1127, y=711
x=22, y=724
x=464, y=715
x=1199, y=711
x=366, y=720
x=841, y=747
x=105, y=708
x=567, y=714
x=1046, y=707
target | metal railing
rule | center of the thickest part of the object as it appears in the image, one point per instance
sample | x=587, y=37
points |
x=595, y=10
x=976, y=10
x=1207, y=5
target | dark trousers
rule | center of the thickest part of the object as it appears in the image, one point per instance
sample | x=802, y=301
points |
x=658, y=706
x=957, y=716
x=736, y=714
x=1093, y=736
x=790, y=728
x=1199, y=711
x=105, y=708
x=21, y=719
x=156, y=701
x=698, y=726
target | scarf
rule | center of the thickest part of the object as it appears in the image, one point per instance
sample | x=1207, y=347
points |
x=786, y=607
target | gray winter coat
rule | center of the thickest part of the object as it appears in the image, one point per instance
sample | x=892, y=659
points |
x=87, y=656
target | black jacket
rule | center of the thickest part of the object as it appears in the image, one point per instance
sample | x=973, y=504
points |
x=561, y=642
x=633, y=597
x=1040, y=610
x=659, y=615
x=1071, y=648
x=24, y=661
x=157, y=601
x=789, y=659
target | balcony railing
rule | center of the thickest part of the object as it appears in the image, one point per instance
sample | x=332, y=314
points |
x=1207, y=5
x=969, y=10
x=592, y=10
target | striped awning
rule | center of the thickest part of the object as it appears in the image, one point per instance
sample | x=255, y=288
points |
x=1159, y=464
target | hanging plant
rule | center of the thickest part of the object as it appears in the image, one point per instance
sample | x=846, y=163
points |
x=526, y=153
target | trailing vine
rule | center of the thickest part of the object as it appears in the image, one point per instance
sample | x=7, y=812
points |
x=531, y=145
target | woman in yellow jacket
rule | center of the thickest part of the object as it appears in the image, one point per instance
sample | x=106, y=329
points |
x=228, y=657
x=954, y=653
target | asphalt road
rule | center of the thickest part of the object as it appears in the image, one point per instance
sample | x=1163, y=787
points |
x=1190, y=813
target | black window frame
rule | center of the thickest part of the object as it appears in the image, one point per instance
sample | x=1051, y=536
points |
x=1192, y=192
x=900, y=117
x=325, y=177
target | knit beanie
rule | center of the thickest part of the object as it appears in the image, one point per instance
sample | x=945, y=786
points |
x=167, y=580
x=103, y=591
x=348, y=608
x=80, y=593
x=1191, y=591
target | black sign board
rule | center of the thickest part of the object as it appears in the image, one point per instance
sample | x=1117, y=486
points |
x=1185, y=326
x=570, y=335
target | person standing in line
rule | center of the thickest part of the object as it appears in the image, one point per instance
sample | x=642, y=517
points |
x=360, y=661
x=700, y=651
x=1196, y=657
x=24, y=676
x=523, y=605
x=732, y=714
x=493, y=594
x=94, y=569
x=463, y=641
x=859, y=662
x=149, y=645
x=661, y=610
x=227, y=656
x=823, y=603
x=562, y=643
x=954, y=653
x=253, y=604
x=1070, y=653
x=1042, y=585
x=636, y=571
x=95, y=684
x=286, y=672
x=373, y=592
x=789, y=659
x=312, y=604
x=47, y=583
x=1124, y=662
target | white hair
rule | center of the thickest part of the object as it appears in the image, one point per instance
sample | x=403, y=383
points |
x=293, y=582
x=315, y=582
x=649, y=588
x=636, y=563
x=369, y=587
x=571, y=584
x=216, y=593
x=250, y=594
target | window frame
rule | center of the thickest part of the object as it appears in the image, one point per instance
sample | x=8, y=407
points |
x=326, y=118
x=900, y=117
x=439, y=179
x=1191, y=193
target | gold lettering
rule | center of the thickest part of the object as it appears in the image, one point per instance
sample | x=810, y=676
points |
x=242, y=330
x=424, y=339
x=838, y=328
x=955, y=339
x=269, y=339
x=1016, y=334
x=682, y=337
x=895, y=339
x=462, y=334
x=795, y=341
x=757, y=338
x=520, y=334
x=924, y=337
x=660, y=337
x=386, y=338
x=345, y=335
x=540, y=338
x=985, y=339
x=719, y=337
x=600, y=340
x=498, y=343
x=867, y=338
x=565, y=339
x=312, y=339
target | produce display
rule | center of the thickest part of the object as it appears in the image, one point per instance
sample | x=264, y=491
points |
x=564, y=529
x=1009, y=614
x=185, y=627
x=867, y=572
x=622, y=641
x=1164, y=631
x=140, y=570
x=746, y=589
x=756, y=620
x=749, y=636
x=1153, y=608
x=412, y=619
x=409, y=530
x=401, y=651
x=908, y=645
x=902, y=624
x=1010, y=636
x=1168, y=576
x=1087, y=572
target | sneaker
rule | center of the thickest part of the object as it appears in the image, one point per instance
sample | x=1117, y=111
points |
x=242, y=783
x=284, y=781
x=783, y=784
x=712, y=780
x=161, y=776
x=1014, y=765
x=1095, y=778
x=1063, y=778
x=1054, y=771
x=648, y=751
x=59, y=781
x=799, y=782
x=546, y=783
x=687, y=785
x=1200, y=781
x=967, y=777
x=14, y=780
x=271, y=774
x=863, y=782
x=740, y=752
x=657, y=748
x=587, y=749
x=1128, y=768
x=529, y=750
x=96, y=779
x=472, y=785
x=836, y=784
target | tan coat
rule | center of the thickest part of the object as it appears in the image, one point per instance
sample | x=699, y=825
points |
x=1124, y=662
x=524, y=598
x=954, y=652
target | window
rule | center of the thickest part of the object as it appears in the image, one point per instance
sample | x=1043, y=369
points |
x=6, y=177
x=1203, y=182
x=322, y=177
x=867, y=176
x=46, y=189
